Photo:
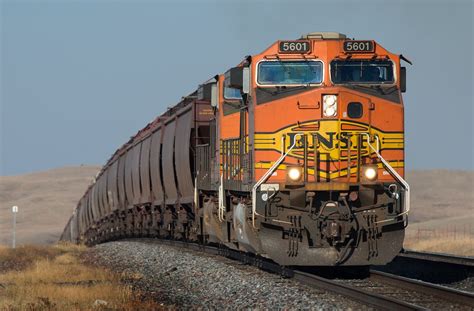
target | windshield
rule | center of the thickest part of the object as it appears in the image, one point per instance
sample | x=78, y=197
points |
x=289, y=72
x=362, y=71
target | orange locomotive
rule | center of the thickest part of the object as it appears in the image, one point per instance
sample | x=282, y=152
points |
x=296, y=154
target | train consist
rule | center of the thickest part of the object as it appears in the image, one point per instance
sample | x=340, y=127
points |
x=295, y=154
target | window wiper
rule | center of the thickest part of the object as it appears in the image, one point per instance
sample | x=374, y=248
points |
x=306, y=61
x=282, y=89
x=384, y=91
x=313, y=69
x=282, y=63
x=378, y=88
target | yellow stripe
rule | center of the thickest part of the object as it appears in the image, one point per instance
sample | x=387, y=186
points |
x=322, y=174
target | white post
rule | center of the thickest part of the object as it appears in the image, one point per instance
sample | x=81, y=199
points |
x=15, y=211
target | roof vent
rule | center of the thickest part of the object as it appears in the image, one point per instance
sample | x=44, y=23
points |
x=323, y=35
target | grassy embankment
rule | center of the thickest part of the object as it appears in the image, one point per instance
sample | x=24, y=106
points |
x=56, y=278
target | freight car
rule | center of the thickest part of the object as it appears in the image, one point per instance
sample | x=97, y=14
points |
x=296, y=154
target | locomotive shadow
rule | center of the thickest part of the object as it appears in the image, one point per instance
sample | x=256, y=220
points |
x=428, y=271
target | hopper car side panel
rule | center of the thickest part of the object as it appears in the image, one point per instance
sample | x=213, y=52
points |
x=83, y=215
x=94, y=205
x=128, y=178
x=145, y=171
x=169, y=181
x=101, y=195
x=182, y=156
x=87, y=212
x=121, y=182
x=97, y=203
x=83, y=223
x=74, y=227
x=157, y=189
x=92, y=213
x=112, y=187
x=136, y=173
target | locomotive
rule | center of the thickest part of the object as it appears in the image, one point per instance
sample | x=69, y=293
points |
x=296, y=154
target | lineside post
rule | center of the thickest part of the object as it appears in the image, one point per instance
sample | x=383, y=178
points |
x=14, y=211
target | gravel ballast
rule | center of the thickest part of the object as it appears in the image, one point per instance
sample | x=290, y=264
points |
x=466, y=285
x=185, y=278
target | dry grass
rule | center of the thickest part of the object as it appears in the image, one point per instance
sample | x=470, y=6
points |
x=453, y=235
x=64, y=282
x=24, y=256
x=463, y=246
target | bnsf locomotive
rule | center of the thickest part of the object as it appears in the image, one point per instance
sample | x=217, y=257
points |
x=296, y=154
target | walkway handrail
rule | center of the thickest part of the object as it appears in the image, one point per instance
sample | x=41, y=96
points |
x=269, y=173
x=394, y=173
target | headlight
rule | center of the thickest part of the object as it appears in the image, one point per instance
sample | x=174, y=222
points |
x=369, y=173
x=329, y=105
x=294, y=174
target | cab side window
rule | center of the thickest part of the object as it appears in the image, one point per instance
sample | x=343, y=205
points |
x=232, y=99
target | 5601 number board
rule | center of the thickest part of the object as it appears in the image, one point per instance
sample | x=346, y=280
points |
x=356, y=46
x=294, y=47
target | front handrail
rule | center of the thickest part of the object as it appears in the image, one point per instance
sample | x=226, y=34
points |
x=221, y=207
x=399, y=178
x=270, y=171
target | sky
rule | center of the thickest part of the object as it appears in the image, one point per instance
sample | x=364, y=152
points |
x=78, y=78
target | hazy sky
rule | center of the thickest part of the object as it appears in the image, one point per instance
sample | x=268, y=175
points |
x=78, y=78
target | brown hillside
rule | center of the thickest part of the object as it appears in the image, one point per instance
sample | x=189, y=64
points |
x=442, y=215
x=45, y=200
x=441, y=194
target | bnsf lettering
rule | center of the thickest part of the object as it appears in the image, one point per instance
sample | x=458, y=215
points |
x=344, y=141
x=329, y=140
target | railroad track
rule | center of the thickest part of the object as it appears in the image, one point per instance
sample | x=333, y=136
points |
x=382, y=290
x=431, y=267
x=438, y=257
x=390, y=292
x=419, y=293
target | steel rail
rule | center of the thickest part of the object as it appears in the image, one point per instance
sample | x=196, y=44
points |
x=445, y=293
x=373, y=299
x=438, y=257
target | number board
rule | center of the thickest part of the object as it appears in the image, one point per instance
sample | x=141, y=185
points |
x=294, y=47
x=354, y=46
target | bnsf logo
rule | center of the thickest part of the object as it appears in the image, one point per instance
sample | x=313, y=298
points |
x=331, y=137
